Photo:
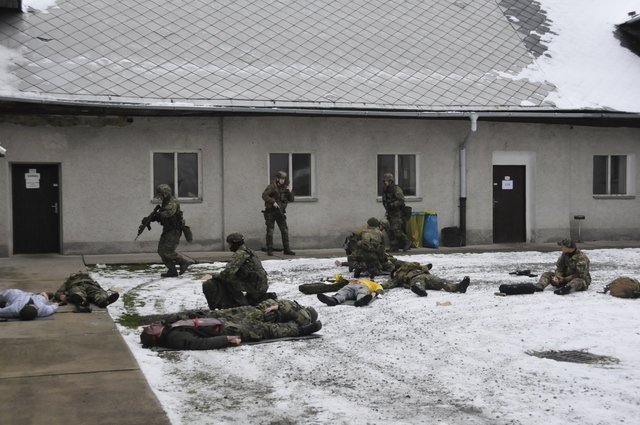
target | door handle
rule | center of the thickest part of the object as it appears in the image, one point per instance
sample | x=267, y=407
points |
x=55, y=207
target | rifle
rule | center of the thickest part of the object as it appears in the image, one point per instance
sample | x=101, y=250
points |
x=526, y=272
x=146, y=221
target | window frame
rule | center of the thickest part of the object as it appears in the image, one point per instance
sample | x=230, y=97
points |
x=312, y=165
x=629, y=177
x=198, y=153
x=408, y=198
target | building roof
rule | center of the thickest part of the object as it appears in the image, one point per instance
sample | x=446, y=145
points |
x=416, y=55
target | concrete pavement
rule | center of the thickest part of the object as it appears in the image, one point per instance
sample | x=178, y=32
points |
x=75, y=368
x=71, y=368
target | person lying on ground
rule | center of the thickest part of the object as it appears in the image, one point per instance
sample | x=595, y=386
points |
x=18, y=304
x=418, y=278
x=81, y=290
x=223, y=328
x=362, y=291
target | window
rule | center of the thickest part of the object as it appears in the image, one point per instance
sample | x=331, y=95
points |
x=404, y=170
x=611, y=175
x=178, y=169
x=298, y=168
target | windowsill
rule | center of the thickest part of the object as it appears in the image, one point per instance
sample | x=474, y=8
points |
x=406, y=199
x=305, y=199
x=614, y=196
x=182, y=201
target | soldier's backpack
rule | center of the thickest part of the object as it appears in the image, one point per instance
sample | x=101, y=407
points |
x=518, y=288
x=624, y=287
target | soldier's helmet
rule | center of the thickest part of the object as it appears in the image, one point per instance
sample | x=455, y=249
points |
x=235, y=238
x=387, y=177
x=281, y=175
x=163, y=189
x=373, y=222
x=313, y=314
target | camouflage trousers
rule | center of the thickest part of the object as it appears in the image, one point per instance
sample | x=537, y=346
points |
x=429, y=281
x=397, y=236
x=167, y=245
x=576, y=284
x=250, y=330
x=89, y=293
x=226, y=293
x=270, y=219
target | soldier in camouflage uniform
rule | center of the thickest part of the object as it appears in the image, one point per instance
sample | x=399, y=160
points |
x=270, y=319
x=243, y=274
x=170, y=217
x=277, y=196
x=393, y=201
x=81, y=290
x=369, y=253
x=418, y=278
x=572, y=271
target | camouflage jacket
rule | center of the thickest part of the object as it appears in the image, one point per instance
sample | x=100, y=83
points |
x=75, y=280
x=371, y=240
x=407, y=271
x=278, y=194
x=244, y=265
x=573, y=266
x=170, y=214
x=393, y=198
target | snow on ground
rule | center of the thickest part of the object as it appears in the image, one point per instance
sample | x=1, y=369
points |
x=405, y=359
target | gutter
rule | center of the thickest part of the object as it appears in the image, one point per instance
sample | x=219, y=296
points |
x=462, y=153
x=302, y=108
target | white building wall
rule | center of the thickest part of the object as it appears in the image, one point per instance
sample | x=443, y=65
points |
x=106, y=176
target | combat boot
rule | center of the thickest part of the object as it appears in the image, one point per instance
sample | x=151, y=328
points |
x=171, y=272
x=418, y=290
x=464, y=284
x=270, y=251
x=407, y=246
x=563, y=290
x=111, y=298
x=330, y=301
x=184, y=265
x=287, y=251
x=310, y=328
x=363, y=301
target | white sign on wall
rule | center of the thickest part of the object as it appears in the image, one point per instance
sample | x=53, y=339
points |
x=32, y=179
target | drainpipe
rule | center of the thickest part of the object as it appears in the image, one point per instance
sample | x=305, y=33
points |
x=463, y=176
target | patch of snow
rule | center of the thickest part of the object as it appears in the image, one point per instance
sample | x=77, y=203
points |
x=405, y=359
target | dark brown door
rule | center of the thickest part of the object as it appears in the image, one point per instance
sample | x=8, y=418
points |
x=36, y=208
x=509, y=203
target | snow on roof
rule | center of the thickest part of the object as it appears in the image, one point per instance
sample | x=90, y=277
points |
x=428, y=55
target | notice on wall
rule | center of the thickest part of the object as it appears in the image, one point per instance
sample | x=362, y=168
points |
x=507, y=183
x=32, y=179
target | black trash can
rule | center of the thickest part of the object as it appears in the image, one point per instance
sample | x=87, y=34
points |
x=451, y=236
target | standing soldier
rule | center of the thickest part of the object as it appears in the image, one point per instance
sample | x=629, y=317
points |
x=170, y=217
x=243, y=274
x=276, y=197
x=393, y=201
